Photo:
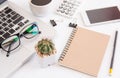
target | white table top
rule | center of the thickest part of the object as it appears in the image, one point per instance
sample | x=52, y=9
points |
x=32, y=68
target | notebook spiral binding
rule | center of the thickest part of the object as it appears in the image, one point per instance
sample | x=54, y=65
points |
x=67, y=44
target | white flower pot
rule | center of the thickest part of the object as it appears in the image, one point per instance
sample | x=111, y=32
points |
x=47, y=60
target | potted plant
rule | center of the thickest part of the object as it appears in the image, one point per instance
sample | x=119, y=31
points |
x=46, y=51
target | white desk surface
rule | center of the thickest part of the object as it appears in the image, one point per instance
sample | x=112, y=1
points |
x=32, y=68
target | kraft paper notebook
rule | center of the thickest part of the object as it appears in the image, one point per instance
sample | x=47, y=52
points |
x=84, y=51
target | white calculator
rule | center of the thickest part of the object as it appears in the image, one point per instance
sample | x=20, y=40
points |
x=68, y=7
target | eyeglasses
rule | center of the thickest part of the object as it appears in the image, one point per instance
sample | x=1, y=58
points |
x=13, y=42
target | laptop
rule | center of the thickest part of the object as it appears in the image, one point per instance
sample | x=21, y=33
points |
x=12, y=20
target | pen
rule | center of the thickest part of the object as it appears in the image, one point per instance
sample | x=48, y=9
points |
x=113, y=54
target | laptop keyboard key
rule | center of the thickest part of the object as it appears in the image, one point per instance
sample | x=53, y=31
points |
x=10, y=25
x=6, y=29
x=6, y=35
x=1, y=27
x=1, y=39
x=21, y=24
x=6, y=8
x=0, y=22
x=26, y=21
x=8, y=16
x=11, y=31
x=1, y=32
x=15, y=16
x=2, y=15
x=4, y=19
x=17, y=28
x=8, y=11
x=13, y=13
x=4, y=24
x=9, y=21
x=18, y=20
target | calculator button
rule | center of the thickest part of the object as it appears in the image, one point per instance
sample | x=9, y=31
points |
x=68, y=7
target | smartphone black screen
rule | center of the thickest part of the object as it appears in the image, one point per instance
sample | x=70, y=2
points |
x=103, y=14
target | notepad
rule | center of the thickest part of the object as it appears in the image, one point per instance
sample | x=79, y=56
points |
x=84, y=51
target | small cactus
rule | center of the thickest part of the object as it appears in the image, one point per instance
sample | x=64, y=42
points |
x=45, y=47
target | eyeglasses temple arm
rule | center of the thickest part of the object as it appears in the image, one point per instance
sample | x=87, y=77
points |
x=9, y=48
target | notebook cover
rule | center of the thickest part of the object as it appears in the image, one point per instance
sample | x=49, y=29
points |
x=84, y=51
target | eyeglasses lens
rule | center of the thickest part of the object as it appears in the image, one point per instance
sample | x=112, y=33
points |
x=31, y=31
x=10, y=43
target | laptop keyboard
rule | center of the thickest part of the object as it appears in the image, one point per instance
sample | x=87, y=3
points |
x=10, y=22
